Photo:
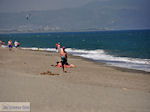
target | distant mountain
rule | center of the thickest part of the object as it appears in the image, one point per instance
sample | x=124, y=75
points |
x=98, y=15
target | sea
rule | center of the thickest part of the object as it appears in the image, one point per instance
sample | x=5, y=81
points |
x=126, y=49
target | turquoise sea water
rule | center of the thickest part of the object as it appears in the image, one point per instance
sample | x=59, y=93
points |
x=130, y=49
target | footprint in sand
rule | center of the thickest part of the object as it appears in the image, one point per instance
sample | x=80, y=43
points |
x=48, y=73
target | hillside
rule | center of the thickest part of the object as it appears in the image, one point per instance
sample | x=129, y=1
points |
x=98, y=15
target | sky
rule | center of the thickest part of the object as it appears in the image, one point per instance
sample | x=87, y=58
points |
x=26, y=5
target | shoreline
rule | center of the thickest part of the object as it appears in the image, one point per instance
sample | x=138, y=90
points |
x=100, y=63
x=90, y=87
x=115, y=67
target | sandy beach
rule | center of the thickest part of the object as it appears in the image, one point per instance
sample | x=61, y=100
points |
x=90, y=87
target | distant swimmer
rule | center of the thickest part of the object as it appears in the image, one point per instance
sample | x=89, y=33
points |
x=63, y=55
x=10, y=45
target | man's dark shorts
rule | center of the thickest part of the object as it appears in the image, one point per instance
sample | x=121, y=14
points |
x=63, y=60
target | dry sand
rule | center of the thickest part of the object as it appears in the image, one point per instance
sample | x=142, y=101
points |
x=90, y=87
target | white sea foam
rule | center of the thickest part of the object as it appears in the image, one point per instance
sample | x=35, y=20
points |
x=40, y=49
x=102, y=56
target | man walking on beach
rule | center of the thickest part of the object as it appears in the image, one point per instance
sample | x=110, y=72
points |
x=63, y=55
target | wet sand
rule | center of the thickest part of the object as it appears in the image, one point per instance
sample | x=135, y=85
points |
x=90, y=87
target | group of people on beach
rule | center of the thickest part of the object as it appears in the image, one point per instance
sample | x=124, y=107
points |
x=10, y=44
x=59, y=49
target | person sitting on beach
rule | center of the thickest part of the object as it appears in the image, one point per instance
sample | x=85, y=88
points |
x=17, y=44
x=10, y=45
x=63, y=55
x=2, y=44
x=57, y=47
x=59, y=64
